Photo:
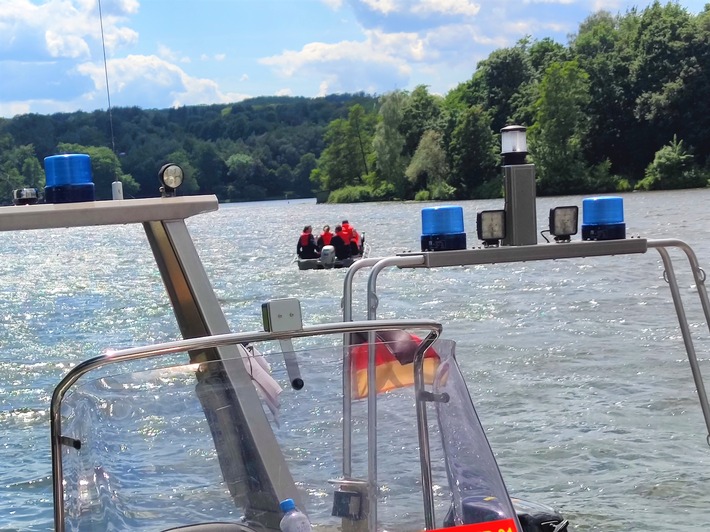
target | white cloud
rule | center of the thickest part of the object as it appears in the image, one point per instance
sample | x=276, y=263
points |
x=245, y=77
x=325, y=86
x=333, y=4
x=10, y=109
x=154, y=82
x=383, y=6
x=67, y=46
x=284, y=92
x=562, y=2
x=391, y=49
x=64, y=27
x=447, y=7
x=215, y=57
x=166, y=53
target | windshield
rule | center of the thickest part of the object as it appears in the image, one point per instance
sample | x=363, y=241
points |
x=149, y=460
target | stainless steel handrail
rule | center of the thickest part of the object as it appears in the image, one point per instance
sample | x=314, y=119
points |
x=699, y=276
x=208, y=342
x=555, y=251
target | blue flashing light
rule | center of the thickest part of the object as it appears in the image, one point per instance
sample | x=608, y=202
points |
x=603, y=218
x=68, y=178
x=443, y=220
x=442, y=228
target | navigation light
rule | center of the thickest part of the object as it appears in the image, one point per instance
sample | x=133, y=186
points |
x=513, y=144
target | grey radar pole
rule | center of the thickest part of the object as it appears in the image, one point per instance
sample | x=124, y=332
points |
x=519, y=188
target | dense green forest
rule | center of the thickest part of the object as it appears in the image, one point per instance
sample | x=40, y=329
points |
x=623, y=105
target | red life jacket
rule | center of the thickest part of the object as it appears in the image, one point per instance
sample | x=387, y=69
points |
x=326, y=238
x=346, y=234
x=305, y=237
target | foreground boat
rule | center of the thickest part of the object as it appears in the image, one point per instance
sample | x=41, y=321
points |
x=206, y=433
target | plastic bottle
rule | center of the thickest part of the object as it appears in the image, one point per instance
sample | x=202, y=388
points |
x=293, y=520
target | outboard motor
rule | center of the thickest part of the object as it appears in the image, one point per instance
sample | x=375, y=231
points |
x=327, y=256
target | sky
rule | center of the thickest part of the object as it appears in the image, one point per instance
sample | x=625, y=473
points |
x=170, y=53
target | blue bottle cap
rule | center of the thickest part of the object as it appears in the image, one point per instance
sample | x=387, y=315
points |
x=442, y=220
x=68, y=169
x=287, y=505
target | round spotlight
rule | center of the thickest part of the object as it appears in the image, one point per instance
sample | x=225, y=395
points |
x=171, y=177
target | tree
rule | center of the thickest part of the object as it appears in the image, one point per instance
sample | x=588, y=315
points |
x=19, y=168
x=663, y=60
x=428, y=169
x=420, y=113
x=473, y=153
x=344, y=161
x=560, y=129
x=210, y=168
x=361, y=130
x=182, y=159
x=247, y=176
x=388, y=143
x=497, y=81
x=302, y=172
x=603, y=48
x=672, y=167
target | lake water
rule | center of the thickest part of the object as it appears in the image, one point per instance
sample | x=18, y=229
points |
x=576, y=367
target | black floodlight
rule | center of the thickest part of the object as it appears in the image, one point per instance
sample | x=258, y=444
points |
x=490, y=226
x=171, y=177
x=564, y=222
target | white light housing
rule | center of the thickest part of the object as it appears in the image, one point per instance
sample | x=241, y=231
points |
x=564, y=222
x=490, y=226
x=513, y=140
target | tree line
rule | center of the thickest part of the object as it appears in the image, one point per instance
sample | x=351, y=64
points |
x=621, y=106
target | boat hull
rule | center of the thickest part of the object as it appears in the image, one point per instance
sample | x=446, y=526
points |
x=316, y=264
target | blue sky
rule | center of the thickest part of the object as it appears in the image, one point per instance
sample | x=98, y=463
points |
x=166, y=53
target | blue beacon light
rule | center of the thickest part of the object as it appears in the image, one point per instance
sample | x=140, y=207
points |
x=603, y=218
x=69, y=178
x=442, y=228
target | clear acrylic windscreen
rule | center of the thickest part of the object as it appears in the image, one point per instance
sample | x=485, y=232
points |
x=148, y=461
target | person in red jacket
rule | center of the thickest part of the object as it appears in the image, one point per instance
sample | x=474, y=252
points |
x=342, y=251
x=346, y=232
x=306, y=247
x=352, y=238
x=324, y=238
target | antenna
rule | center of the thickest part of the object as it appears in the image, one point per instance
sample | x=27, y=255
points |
x=116, y=186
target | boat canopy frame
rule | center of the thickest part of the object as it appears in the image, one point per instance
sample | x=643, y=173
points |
x=508, y=254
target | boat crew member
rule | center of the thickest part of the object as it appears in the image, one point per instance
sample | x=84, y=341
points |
x=342, y=250
x=306, y=247
x=347, y=232
x=324, y=238
x=355, y=247
x=351, y=238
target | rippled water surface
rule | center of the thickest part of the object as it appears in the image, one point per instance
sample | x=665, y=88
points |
x=577, y=367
